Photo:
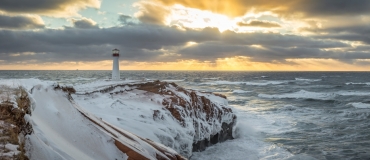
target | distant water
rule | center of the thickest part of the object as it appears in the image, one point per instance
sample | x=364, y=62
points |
x=322, y=115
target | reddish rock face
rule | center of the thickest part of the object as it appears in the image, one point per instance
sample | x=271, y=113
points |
x=199, y=107
x=196, y=119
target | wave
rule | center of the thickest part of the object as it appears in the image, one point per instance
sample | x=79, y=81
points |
x=360, y=105
x=302, y=94
x=354, y=83
x=214, y=78
x=352, y=93
x=240, y=91
x=173, y=80
x=258, y=83
x=287, y=108
x=310, y=80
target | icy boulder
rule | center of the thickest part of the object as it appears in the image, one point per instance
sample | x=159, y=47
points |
x=185, y=120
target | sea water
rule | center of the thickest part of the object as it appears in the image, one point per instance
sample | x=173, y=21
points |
x=281, y=115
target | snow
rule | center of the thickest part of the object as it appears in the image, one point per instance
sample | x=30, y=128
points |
x=87, y=126
x=12, y=150
x=134, y=111
x=61, y=132
x=99, y=84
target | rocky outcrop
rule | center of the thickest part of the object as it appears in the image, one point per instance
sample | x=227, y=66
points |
x=183, y=119
x=213, y=122
x=13, y=126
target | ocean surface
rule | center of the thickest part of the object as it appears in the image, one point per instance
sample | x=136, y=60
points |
x=281, y=115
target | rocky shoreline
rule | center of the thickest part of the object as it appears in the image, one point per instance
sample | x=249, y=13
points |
x=145, y=120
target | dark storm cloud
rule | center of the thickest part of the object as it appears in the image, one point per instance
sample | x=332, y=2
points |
x=149, y=42
x=333, y=7
x=19, y=22
x=46, y=7
x=138, y=43
x=256, y=23
x=275, y=39
x=357, y=32
x=265, y=53
x=84, y=24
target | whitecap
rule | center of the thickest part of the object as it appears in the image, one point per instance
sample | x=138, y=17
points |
x=240, y=91
x=354, y=83
x=173, y=80
x=360, y=105
x=302, y=94
x=310, y=80
x=214, y=78
x=352, y=93
x=254, y=83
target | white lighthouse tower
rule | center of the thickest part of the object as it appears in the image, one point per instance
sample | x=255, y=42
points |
x=115, y=71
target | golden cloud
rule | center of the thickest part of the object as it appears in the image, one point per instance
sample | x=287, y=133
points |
x=318, y=8
x=150, y=12
x=232, y=8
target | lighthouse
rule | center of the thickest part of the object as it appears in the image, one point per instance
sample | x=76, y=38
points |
x=115, y=71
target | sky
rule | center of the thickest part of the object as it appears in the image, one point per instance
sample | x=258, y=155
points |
x=235, y=35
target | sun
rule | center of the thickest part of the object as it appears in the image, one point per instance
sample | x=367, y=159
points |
x=199, y=19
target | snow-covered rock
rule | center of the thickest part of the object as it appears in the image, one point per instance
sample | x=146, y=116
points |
x=63, y=130
x=123, y=120
x=185, y=120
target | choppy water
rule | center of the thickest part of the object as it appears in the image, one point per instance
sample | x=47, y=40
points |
x=322, y=115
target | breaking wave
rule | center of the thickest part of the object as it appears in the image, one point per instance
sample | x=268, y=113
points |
x=302, y=94
x=310, y=80
x=240, y=91
x=360, y=105
x=257, y=83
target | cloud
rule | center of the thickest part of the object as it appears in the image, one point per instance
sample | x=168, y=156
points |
x=156, y=43
x=20, y=22
x=257, y=23
x=354, y=32
x=304, y=7
x=55, y=8
x=125, y=19
x=151, y=12
x=84, y=23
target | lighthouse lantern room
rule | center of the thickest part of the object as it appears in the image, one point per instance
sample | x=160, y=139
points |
x=115, y=71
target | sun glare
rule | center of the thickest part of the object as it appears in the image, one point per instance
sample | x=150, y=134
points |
x=198, y=19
